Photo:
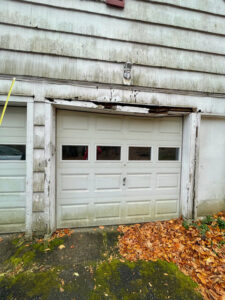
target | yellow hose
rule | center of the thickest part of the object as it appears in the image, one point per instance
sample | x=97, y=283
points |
x=7, y=100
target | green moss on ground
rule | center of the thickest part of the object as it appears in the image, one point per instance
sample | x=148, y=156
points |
x=142, y=280
x=27, y=276
x=29, y=285
x=26, y=253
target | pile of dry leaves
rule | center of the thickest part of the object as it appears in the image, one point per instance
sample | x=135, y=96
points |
x=198, y=250
x=59, y=233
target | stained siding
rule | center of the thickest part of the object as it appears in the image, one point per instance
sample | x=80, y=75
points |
x=211, y=192
x=171, y=47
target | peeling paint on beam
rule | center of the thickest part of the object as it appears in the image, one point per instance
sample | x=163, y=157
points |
x=110, y=107
x=208, y=103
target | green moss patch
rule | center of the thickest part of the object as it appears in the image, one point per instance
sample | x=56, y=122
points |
x=26, y=253
x=142, y=280
x=30, y=285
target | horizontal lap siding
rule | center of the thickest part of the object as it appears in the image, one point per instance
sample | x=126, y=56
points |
x=84, y=23
x=151, y=11
x=215, y=7
x=104, y=72
x=78, y=45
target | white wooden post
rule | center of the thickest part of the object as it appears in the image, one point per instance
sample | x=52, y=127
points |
x=190, y=133
x=29, y=168
x=50, y=208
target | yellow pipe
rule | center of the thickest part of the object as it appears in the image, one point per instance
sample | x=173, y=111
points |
x=7, y=100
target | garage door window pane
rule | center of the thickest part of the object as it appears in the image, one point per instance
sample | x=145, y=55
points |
x=139, y=153
x=12, y=152
x=108, y=152
x=168, y=153
x=74, y=152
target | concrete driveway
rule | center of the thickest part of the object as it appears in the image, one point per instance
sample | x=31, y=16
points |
x=85, y=265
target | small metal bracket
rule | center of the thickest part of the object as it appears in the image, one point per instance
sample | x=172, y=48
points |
x=127, y=71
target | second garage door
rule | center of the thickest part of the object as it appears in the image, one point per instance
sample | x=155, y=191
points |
x=116, y=169
x=13, y=170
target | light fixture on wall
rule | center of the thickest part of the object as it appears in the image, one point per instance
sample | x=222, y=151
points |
x=127, y=72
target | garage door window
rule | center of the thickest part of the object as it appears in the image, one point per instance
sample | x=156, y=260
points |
x=108, y=152
x=12, y=152
x=168, y=153
x=139, y=153
x=72, y=152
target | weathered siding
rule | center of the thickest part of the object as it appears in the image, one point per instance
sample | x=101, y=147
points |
x=171, y=47
x=211, y=192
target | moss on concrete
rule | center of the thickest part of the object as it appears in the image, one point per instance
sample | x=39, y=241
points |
x=30, y=285
x=25, y=254
x=142, y=280
x=41, y=271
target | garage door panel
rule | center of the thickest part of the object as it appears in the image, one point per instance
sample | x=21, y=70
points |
x=76, y=182
x=140, y=125
x=137, y=181
x=103, y=192
x=109, y=125
x=71, y=123
x=12, y=200
x=168, y=180
x=18, y=167
x=13, y=125
x=12, y=184
x=107, y=210
x=167, y=207
x=74, y=212
x=106, y=181
x=139, y=208
x=170, y=126
x=12, y=216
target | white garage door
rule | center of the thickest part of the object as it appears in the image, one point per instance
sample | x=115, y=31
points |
x=13, y=170
x=116, y=169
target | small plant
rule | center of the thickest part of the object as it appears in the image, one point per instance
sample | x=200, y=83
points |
x=185, y=224
x=221, y=243
x=207, y=220
x=195, y=225
x=203, y=228
x=221, y=223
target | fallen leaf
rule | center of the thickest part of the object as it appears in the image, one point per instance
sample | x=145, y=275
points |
x=61, y=247
x=76, y=274
x=198, y=250
x=101, y=227
x=1, y=239
x=61, y=289
x=72, y=246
